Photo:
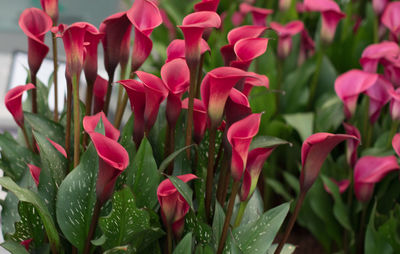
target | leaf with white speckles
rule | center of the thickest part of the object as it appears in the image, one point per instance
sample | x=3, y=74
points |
x=52, y=130
x=201, y=231
x=287, y=249
x=125, y=221
x=218, y=223
x=14, y=247
x=185, y=245
x=257, y=237
x=76, y=198
x=183, y=189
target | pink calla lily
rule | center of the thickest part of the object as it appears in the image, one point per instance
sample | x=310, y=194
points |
x=199, y=119
x=378, y=97
x=35, y=23
x=90, y=124
x=176, y=49
x=206, y=5
x=13, y=102
x=349, y=85
x=35, y=173
x=239, y=136
x=285, y=33
x=58, y=147
x=307, y=47
x=376, y=53
x=379, y=6
x=237, y=107
x=113, y=160
x=314, y=151
x=331, y=15
x=396, y=144
x=390, y=18
x=259, y=14
x=352, y=144
x=246, y=50
x=92, y=39
x=395, y=104
x=249, y=83
x=370, y=170
x=99, y=92
x=342, y=185
x=172, y=205
x=51, y=8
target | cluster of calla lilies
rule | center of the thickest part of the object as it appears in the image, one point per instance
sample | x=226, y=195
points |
x=215, y=103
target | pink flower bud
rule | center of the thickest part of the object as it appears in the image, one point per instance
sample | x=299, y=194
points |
x=35, y=173
x=13, y=102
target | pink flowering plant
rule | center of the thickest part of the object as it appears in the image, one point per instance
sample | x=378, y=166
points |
x=219, y=127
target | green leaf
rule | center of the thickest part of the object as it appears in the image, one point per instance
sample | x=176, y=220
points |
x=287, y=249
x=31, y=197
x=302, y=122
x=185, y=245
x=171, y=157
x=218, y=223
x=254, y=209
x=201, y=231
x=46, y=127
x=76, y=199
x=257, y=237
x=14, y=247
x=127, y=131
x=145, y=177
x=266, y=141
x=125, y=220
x=206, y=249
x=100, y=127
x=183, y=189
x=278, y=188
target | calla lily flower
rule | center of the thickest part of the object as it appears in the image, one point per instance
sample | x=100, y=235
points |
x=137, y=98
x=113, y=159
x=199, y=119
x=35, y=173
x=145, y=16
x=92, y=39
x=395, y=104
x=370, y=170
x=215, y=89
x=392, y=70
x=51, y=8
x=331, y=15
x=396, y=144
x=307, y=47
x=284, y=5
x=176, y=49
x=193, y=26
x=35, y=23
x=259, y=14
x=352, y=144
x=206, y=5
x=342, y=185
x=26, y=243
x=378, y=97
x=177, y=82
x=376, y=53
x=285, y=33
x=13, y=102
x=247, y=50
x=249, y=83
x=390, y=19
x=116, y=29
x=99, y=92
x=237, y=107
x=90, y=124
x=379, y=6
x=314, y=151
x=173, y=206
x=58, y=147
x=255, y=162
x=349, y=85
x=239, y=137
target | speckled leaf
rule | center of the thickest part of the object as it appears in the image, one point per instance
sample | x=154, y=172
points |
x=76, y=198
x=218, y=223
x=16, y=157
x=171, y=157
x=257, y=237
x=145, y=177
x=50, y=129
x=33, y=198
x=183, y=189
x=206, y=249
x=202, y=232
x=127, y=131
x=287, y=249
x=185, y=245
x=125, y=220
x=14, y=247
x=127, y=142
x=266, y=141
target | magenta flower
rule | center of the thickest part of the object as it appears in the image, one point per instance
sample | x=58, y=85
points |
x=237, y=107
x=247, y=50
x=99, y=92
x=176, y=49
x=215, y=89
x=145, y=16
x=58, y=147
x=352, y=144
x=285, y=33
x=199, y=119
x=177, y=82
x=314, y=151
x=395, y=104
x=390, y=19
x=35, y=23
x=259, y=80
x=255, y=162
x=349, y=85
x=90, y=124
x=379, y=6
x=116, y=29
x=172, y=205
x=51, y=8
x=331, y=15
x=35, y=173
x=206, y=5
x=26, y=243
x=377, y=53
x=370, y=170
x=378, y=97
x=239, y=136
x=392, y=70
x=307, y=47
x=13, y=102
x=396, y=143
x=113, y=159
x=342, y=185
x=259, y=14
x=92, y=39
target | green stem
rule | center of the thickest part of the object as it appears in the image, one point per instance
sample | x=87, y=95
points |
x=361, y=235
x=210, y=171
x=169, y=239
x=235, y=189
x=69, y=116
x=279, y=80
x=291, y=222
x=88, y=108
x=240, y=213
x=77, y=124
x=393, y=130
x=26, y=138
x=55, y=77
x=93, y=225
x=34, y=93
x=314, y=80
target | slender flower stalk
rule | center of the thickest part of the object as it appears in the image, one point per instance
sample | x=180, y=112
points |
x=55, y=77
x=77, y=124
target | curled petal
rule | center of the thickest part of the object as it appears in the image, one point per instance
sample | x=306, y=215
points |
x=396, y=143
x=374, y=53
x=249, y=83
x=379, y=96
x=379, y=6
x=342, y=185
x=99, y=92
x=395, y=104
x=35, y=173
x=250, y=48
x=237, y=107
x=58, y=147
x=13, y=102
x=244, y=32
x=206, y=5
x=352, y=144
x=176, y=49
x=390, y=18
x=285, y=34
x=92, y=39
x=259, y=14
x=175, y=75
x=145, y=16
x=90, y=124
